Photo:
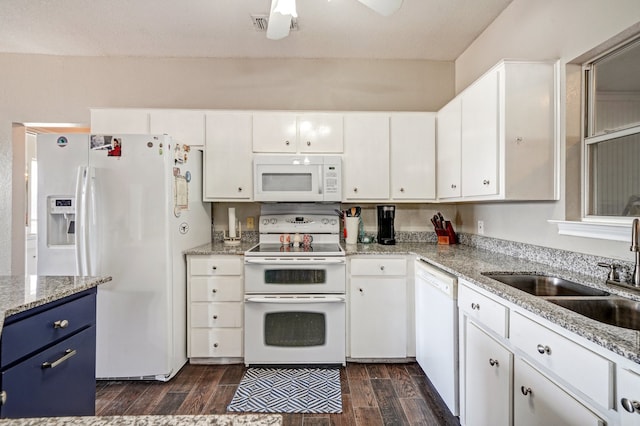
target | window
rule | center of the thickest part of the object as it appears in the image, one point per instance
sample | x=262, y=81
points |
x=612, y=133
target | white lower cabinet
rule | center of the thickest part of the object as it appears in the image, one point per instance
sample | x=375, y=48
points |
x=487, y=385
x=629, y=396
x=378, y=307
x=516, y=370
x=538, y=401
x=214, y=308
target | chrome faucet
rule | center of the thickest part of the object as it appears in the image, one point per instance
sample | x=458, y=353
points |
x=635, y=279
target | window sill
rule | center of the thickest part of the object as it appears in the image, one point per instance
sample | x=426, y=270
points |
x=600, y=230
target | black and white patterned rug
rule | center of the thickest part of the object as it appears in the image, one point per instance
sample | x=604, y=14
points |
x=288, y=390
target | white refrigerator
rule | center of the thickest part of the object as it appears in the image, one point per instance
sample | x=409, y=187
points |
x=125, y=206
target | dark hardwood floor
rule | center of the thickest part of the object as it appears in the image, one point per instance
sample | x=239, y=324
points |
x=372, y=394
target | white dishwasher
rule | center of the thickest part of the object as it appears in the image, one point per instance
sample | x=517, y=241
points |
x=437, y=330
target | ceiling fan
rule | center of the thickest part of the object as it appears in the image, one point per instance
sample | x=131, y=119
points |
x=282, y=11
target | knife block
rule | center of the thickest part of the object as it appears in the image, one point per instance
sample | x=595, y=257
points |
x=447, y=235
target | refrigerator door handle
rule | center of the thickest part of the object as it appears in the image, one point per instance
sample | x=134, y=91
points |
x=81, y=222
x=91, y=223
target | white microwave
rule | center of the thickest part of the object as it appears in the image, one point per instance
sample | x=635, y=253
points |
x=297, y=178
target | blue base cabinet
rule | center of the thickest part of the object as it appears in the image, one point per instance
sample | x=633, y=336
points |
x=47, y=359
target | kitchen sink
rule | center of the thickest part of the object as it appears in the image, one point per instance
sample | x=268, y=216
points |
x=543, y=285
x=614, y=311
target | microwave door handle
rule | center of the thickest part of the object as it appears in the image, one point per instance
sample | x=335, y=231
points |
x=288, y=300
x=321, y=180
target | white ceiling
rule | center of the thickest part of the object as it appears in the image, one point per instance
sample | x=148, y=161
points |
x=421, y=29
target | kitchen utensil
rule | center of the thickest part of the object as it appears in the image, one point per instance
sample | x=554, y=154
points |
x=352, y=225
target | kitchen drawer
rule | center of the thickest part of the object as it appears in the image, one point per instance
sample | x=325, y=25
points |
x=219, y=265
x=577, y=365
x=64, y=389
x=216, y=314
x=216, y=289
x=484, y=310
x=46, y=326
x=216, y=342
x=379, y=267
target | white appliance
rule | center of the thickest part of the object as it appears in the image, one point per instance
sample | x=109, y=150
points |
x=295, y=303
x=138, y=206
x=297, y=178
x=437, y=330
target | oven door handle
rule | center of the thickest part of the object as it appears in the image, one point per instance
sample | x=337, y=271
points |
x=290, y=300
x=281, y=261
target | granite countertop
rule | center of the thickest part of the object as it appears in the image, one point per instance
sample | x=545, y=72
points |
x=20, y=293
x=200, y=420
x=469, y=263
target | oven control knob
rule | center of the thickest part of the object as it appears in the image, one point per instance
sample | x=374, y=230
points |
x=325, y=221
x=273, y=221
x=334, y=221
x=265, y=221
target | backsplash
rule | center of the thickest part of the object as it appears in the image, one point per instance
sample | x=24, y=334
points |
x=577, y=262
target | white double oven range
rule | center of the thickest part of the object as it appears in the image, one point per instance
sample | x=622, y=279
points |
x=295, y=284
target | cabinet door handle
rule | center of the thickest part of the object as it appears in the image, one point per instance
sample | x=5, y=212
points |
x=308, y=143
x=215, y=345
x=67, y=354
x=629, y=405
x=382, y=267
x=494, y=362
x=475, y=306
x=215, y=317
x=543, y=349
x=214, y=268
x=355, y=189
x=525, y=391
x=239, y=189
x=401, y=189
x=361, y=290
x=453, y=186
x=214, y=291
x=287, y=143
x=486, y=182
x=61, y=324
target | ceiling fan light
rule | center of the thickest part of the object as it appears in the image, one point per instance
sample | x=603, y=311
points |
x=383, y=7
x=285, y=7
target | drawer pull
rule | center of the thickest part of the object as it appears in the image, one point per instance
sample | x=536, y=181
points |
x=493, y=362
x=544, y=349
x=629, y=405
x=382, y=267
x=214, y=291
x=215, y=317
x=475, y=306
x=61, y=324
x=215, y=345
x=214, y=268
x=67, y=354
x=525, y=391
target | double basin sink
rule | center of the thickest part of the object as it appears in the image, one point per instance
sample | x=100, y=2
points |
x=587, y=301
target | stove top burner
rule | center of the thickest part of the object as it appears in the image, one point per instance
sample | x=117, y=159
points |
x=263, y=249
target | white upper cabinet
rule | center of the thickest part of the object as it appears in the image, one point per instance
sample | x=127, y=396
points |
x=449, y=135
x=228, y=169
x=184, y=126
x=480, y=121
x=120, y=121
x=365, y=174
x=413, y=173
x=508, y=136
x=290, y=132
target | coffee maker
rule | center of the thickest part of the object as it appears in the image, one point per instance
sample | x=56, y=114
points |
x=386, y=232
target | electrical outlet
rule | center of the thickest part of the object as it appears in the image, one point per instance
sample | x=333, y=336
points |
x=480, y=227
x=250, y=223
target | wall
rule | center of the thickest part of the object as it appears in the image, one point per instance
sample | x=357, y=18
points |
x=37, y=88
x=545, y=29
